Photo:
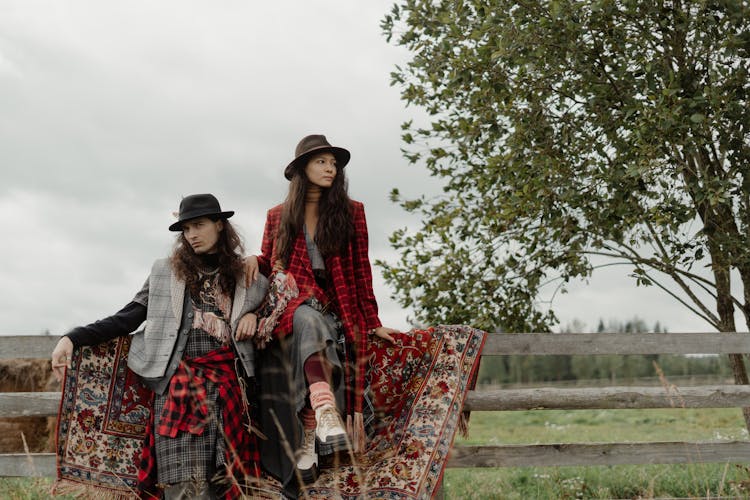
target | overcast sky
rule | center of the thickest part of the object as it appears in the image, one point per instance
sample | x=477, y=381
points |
x=111, y=111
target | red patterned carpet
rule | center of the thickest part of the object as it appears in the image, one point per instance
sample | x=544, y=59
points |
x=418, y=389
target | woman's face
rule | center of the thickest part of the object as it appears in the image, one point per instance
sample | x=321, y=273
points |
x=321, y=169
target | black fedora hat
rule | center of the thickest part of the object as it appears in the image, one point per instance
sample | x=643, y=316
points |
x=199, y=205
x=310, y=145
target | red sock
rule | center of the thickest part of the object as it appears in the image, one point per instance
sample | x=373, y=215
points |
x=317, y=369
x=308, y=418
x=320, y=394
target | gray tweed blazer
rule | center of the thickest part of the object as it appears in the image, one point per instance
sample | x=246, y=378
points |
x=153, y=346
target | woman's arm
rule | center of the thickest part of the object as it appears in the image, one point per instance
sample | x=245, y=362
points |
x=362, y=270
x=261, y=264
x=363, y=277
x=266, y=247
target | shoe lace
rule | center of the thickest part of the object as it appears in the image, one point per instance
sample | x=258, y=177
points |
x=308, y=444
x=329, y=418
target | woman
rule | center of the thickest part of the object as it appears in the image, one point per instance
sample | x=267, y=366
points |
x=318, y=237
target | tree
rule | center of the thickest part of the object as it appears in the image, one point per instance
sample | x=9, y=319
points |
x=566, y=131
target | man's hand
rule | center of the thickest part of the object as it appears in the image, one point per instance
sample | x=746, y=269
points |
x=251, y=270
x=246, y=327
x=61, y=357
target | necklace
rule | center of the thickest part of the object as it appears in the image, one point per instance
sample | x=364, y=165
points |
x=204, y=272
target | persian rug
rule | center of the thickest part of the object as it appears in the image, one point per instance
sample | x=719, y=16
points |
x=418, y=388
x=102, y=422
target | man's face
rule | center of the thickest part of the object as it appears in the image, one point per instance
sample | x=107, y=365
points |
x=202, y=234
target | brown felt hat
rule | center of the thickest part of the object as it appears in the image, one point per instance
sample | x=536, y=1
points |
x=311, y=145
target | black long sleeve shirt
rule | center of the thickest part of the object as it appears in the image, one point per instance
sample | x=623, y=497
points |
x=123, y=322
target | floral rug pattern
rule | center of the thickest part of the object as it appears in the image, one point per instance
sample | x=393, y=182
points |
x=102, y=421
x=418, y=387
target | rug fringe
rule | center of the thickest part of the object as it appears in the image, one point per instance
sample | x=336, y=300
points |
x=78, y=490
x=463, y=419
x=463, y=424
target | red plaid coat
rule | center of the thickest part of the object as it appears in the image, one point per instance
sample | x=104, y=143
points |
x=349, y=293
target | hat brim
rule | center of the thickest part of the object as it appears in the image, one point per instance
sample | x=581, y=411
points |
x=177, y=226
x=342, y=158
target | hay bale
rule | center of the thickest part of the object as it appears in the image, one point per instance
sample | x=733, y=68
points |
x=34, y=430
x=24, y=375
x=27, y=375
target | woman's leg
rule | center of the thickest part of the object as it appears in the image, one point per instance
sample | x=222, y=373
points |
x=318, y=372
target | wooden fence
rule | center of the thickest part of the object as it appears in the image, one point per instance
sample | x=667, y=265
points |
x=707, y=396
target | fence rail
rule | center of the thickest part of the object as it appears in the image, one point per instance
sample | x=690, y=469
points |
x=40, y=346
x=25, y=404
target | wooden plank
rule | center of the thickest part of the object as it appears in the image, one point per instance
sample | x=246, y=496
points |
x=29, y=404
x=616, y=343
x=555, y=455
x=27, y=346
x=31, y=465
x=46, y=404
x=540, y=455
x=585, y=398
x=40, y=346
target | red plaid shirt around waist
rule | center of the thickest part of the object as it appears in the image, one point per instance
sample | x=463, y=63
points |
x=186, y=410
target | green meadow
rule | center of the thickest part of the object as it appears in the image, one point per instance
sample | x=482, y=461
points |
x=644, y=481
x=624, y=481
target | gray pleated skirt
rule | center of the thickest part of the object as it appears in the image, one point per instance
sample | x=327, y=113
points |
x=282, y=388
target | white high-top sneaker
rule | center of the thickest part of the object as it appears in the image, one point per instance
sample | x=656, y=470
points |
x=307, y=459
x=329, y=432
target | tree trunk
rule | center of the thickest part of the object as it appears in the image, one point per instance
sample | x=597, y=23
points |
x=718, y=225
x=725, y=310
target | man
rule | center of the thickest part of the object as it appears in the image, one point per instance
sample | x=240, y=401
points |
x=198, y=321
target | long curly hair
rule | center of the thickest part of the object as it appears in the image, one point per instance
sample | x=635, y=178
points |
x=335, y=225
x=186, y=263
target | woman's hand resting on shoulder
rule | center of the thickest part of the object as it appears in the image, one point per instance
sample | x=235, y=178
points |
x=385, y=333
x=251, y=270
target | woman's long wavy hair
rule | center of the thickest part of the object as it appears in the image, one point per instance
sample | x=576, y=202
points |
x=335, y=225
x=186, y=263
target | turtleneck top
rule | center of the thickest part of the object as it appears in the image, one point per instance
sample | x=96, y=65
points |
x=209, y=261
x=313, y=194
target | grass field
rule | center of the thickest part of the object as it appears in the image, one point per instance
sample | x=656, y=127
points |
x=653, y=481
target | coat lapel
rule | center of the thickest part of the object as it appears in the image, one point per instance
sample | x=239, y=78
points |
x=238, y=302
x=178, y=296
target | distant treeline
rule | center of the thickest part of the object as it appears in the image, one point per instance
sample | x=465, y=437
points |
x=519, y=369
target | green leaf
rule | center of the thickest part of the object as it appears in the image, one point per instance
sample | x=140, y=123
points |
x=562, y=129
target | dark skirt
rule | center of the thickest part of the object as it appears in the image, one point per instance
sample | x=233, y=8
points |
x=282, y=389
x=190, y=457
